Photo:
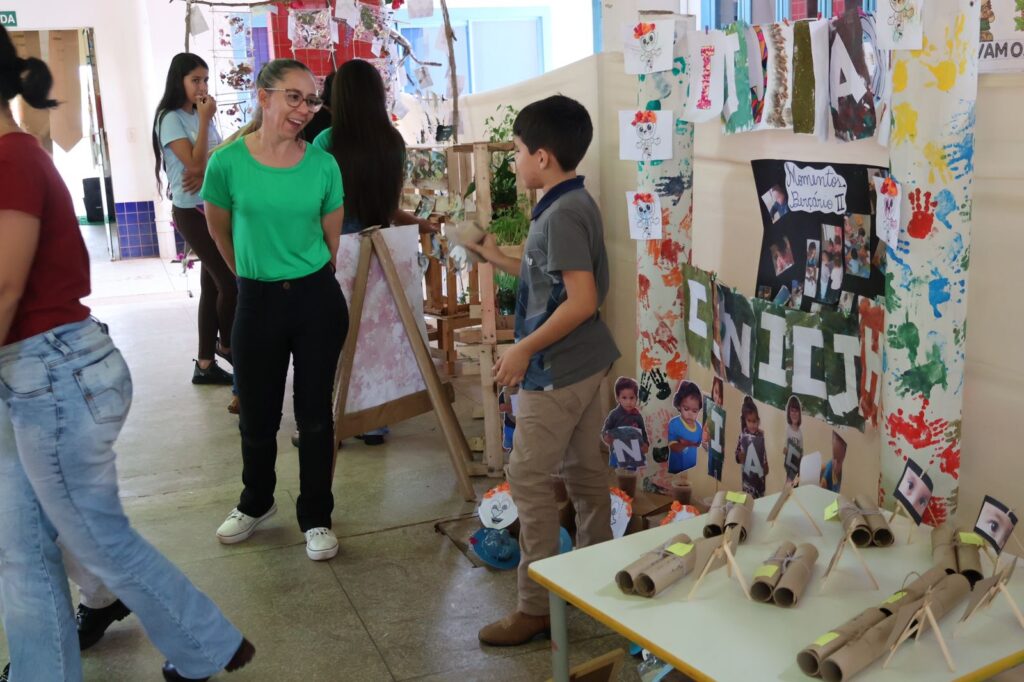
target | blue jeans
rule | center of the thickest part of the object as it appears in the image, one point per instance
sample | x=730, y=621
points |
x=64, y=396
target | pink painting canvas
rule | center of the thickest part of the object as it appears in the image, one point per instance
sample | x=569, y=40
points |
x=385, y=368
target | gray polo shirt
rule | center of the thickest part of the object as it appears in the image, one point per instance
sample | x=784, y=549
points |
x=566, y=234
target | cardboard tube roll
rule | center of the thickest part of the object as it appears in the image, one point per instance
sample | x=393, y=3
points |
x=810, y=658
x=768, y=575
x=913, y=591
x=968, y=561
x=853, y=521
x=948, y=594
x=715, y=524
x=858, y=654
x=943, y=553
x=626, y=578
x=798, y=574
x=881, y=535
x=665, y=573
x=741, y=516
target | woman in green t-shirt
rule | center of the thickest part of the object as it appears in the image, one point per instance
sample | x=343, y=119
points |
x=275, y=209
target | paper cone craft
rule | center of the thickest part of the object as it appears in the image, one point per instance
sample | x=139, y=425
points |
x=810, y=658
x=797, y=575
x=853, y=522
x=881, y=535
x=943, y=550
x=629, y=578
x=715, y=524
x=768, y=575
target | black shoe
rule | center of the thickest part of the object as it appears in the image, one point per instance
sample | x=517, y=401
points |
x=372, y=439
x=243, y=655
x=92, y=623
x=212, y=375
x=226, y=354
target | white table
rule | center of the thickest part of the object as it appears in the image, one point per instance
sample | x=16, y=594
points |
x=720, y=635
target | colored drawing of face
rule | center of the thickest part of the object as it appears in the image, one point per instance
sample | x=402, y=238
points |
x=648, y=41
x=645, y=130
x=644, y=210
x=498, y=511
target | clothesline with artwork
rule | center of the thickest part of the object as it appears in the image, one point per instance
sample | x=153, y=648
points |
x=800, y=76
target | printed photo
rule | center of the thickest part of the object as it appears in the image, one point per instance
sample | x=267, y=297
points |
x=914, y=490
x=782, y=255
x=624, y=430
x=813, y=266
x=832, y=270
x=776, y=201
x=846, y=301
x=764, y=292
x=995, y=523
x=796, y=296
x=856, y=231
x=685, y=431
x=782, y=298
x=794, y=448
x=832, y=472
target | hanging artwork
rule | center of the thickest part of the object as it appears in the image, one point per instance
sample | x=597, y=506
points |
x=385, y=368
x=706, y=95
x=648, y=47
x=803, y=79
x=714, y=437
x=879, y=65
x=1002, y=36
x=698, y=291
x=899, y=24
x=888, y=196
x=757, y=63
x=645, y=135
x=842, y=369
x=872, y=328
x=779, y=94
x=736, y=111
x=644, y=215
x=420, y=9
x=738, y=338
x=773, y=360
x=622, y=511
x=852, y=102
x=624, y=430
x=310, y=29
x=374, y=22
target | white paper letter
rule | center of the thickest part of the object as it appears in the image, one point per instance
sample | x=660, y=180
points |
x=741, y=344
x=773, y=371
x=849, y=348
x=805, y=340
x=698, y=293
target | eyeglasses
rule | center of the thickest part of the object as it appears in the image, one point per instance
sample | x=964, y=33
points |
x=294, y=98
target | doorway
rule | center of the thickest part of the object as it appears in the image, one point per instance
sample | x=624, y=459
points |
x=74, y=133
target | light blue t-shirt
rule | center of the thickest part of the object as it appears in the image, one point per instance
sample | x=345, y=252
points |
x=177, y=125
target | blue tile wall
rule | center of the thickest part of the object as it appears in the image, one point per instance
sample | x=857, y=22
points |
x=136, y=229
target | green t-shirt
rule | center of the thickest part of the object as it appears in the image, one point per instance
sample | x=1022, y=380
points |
x=275, y=212
x=323, y=139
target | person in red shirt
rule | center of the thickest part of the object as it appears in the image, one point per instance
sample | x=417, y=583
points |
x=65, y=391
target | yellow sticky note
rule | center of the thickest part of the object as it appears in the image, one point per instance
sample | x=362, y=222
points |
x=766, y=571
x=832, y=511
x=895, y=597
x=971, y=539
x=826, y=638
x=738, y=498
x=680, y=548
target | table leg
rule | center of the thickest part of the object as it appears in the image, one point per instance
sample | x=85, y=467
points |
x=559, y=639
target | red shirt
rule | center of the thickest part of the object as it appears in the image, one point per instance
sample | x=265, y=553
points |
x=59, y=276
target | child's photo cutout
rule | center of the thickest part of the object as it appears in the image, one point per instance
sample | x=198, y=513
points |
x=750, y=450
x=624, y=430
x=776, y=201
x=782, y=255
x=995, y=523
x=714, y=429
x=856, y=243
x=832, y=472
x=914, y=490
x=685, y=432
x=793, y=451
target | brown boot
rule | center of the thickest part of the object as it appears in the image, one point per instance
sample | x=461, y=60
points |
x=233, y=407
x=515, y=629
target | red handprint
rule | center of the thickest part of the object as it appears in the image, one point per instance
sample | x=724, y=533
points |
x=918, y=432
x=923, y=215
x=644, y=290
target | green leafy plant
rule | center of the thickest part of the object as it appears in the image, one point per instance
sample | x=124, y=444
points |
x=511, y=225
x=507, y=288
x=503, y=176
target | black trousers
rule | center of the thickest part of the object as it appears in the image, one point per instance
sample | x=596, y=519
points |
x=306, y=319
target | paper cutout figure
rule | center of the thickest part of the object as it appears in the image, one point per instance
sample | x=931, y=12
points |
x=832, y=472
x=857, y=242
x=793, y=451
x=803, y=79
x=622, y=511
x=701, y=318
x=831, y=283
x=312, y=29
x=645, y=135
x=648, y=47
x=750, y=450
x=853, y=107
x=995, y=523
x=685, y=433
x=846, y=301
x=624, y=430
x=810, y=469
x=644, y=215
x=497, y=509
x=714, y=429
x=778, y=112
x=736, y=109
x=782, y=255
x=706, y=96
x=914, y=490
x=899, y=24
x=888, y=197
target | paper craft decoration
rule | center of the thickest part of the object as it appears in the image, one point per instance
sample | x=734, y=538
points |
x=676, y=561
x=418, y=9
x=736, y=110
x=730, y=510
x=426, y=168
x=793, y=451
x=768, y=575
x=645, y=135
x=889, y=198
x=624, y=431
x=995, y=523
x=707, y=85
x=622, y=511
x=810, y=658
x=647, y=47
x=779, y=95
x=698, y=307
x=943, y=547
x=854, y=524
x=810, y=469
x=914, y=490
x=347, y=11
x=879, y=67
x=773, y=357
x=312, y=29
x=856, y=229
x=385, y=367
x=853, y=106
x=373, y=23
x=737, y=327
x=912, y=619
x=797, y=574
x=803, y=79
x=498, y=509
x=644, y=215
x=757, y=64
x=899, y=24
x=196, y=21
x=627, y=578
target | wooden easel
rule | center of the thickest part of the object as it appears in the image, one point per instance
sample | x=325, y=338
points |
x=912, y=624
x=984, y=595
x=437, y=396
x=726, y=550
x=847, y=540
x=900, y=510
x=785, y=496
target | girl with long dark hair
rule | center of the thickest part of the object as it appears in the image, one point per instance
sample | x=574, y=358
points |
x=183, y=135
x=65, y=391
x=275, y=209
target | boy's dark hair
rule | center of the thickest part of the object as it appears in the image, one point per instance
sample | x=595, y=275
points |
x=559, y=124
x=625, y=382
x=687, y=389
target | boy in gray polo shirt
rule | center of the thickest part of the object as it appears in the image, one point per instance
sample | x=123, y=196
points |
x=563, y=351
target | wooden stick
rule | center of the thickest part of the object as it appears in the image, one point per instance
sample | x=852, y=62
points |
x=703, y=574
x=806, y=513
x=450, y=36
x=864, y=564
x=938, y=636
x=1013, y=604
x=732, y=562
x=458, y=448
x=348, y=354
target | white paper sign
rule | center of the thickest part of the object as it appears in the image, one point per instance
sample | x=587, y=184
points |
x=645, y=135
x=197, y=22
x=647, y=46
x=498, y=510
x=346, y=10
x=707, y=85
x=620, y=515
x=419, y=9
x=888, y=210
x=814, y=190
x=810, y=469
x=1002, y=42
x=899, y=24
x=644, y=215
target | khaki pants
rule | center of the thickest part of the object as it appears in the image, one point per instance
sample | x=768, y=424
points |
x=557, y=431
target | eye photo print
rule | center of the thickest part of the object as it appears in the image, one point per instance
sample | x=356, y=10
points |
x=914, y=490
x=995, y=523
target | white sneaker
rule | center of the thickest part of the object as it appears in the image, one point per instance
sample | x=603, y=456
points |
x=321, y=544
x=238, y=526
